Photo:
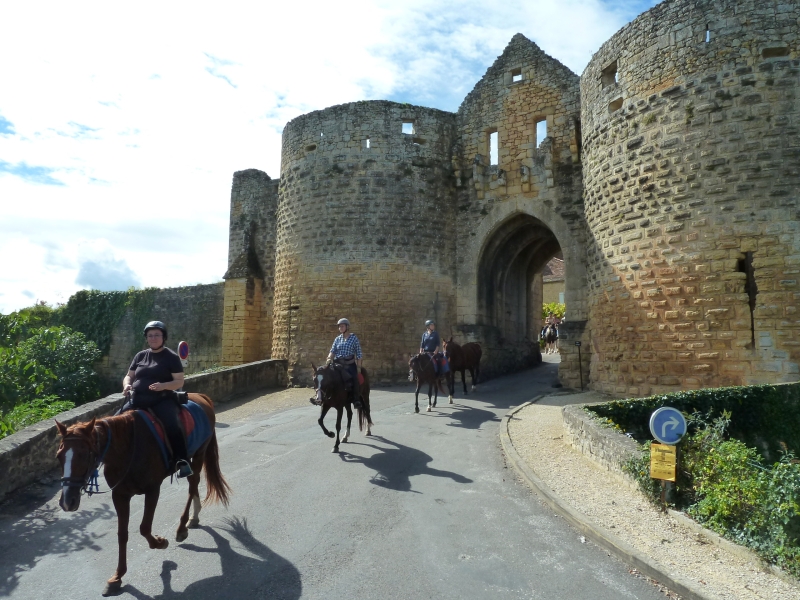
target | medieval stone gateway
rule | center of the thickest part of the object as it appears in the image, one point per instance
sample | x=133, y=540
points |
x=666, y=177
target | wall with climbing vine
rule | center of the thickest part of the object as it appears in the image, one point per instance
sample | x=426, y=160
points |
x=114, y=321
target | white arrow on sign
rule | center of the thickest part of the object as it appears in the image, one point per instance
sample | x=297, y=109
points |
x=673, y=423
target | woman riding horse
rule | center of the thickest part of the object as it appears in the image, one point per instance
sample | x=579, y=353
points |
x=153, y=376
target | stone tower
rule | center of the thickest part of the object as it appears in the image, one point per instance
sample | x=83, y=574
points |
x=691, y=141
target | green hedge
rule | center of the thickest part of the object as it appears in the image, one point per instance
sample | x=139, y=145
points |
x=766, y=417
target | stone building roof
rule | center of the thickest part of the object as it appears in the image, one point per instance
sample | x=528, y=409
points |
x=553, y=271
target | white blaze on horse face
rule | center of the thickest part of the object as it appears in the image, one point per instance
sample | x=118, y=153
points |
x=68, y=463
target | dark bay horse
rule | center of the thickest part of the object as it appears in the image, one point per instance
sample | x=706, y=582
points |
x=463, y=358
x=421, y=369
x=550, y=338
x=133, y=466
x=331, y=392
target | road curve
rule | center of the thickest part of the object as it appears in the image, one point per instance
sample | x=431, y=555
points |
x=426, y=508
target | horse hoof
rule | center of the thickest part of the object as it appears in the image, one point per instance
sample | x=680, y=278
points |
x=416, y=409
x=193, y=524
x=429, y=408
x=330, y=434
x=368, y=433
x=335, y=450
x=181, y=535
x=451, y=401
x=113, y=588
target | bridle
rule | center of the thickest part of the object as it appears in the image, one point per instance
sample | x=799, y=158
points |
x=326, y=397
x=88, y=484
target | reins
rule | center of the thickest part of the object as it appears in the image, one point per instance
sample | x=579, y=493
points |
x=89, y=484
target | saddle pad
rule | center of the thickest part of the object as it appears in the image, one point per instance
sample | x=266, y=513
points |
x=194, y=421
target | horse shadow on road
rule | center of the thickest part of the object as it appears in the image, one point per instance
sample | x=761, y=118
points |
x=28, y=534
x=268, y=576
x=468, y=417
x=394, y=467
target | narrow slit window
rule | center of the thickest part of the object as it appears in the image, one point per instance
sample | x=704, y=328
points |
x=408, y=127
x=708, y=34
x=745, y=265
x=493, y=148
x=775, y=52
x=516, y=75
x=609, y=75
x=365, y=144
x=615, y=105
x=311, y=147
x=418, y=141
x=541, y=131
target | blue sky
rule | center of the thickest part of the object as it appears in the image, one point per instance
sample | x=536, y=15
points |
x=121, y=125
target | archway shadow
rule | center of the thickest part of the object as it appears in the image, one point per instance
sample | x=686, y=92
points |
x=45, y=531
x=394, y=467
x=268, y=576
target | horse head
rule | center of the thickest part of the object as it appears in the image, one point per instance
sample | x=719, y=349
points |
x=325, y=378
x=78, y=456
x=449, y=347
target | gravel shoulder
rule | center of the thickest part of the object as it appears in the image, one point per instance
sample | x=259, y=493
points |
x=611, y=502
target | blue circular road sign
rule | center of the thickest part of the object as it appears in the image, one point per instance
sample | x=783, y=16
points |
x=667, y=425
x=183, y=350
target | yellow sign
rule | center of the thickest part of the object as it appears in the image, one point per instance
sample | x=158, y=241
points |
x=662, y=462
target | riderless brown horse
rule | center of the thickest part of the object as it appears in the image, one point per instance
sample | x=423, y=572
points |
x=134, y=465
x=331, y=392
x=421, y=368
x=463, y=358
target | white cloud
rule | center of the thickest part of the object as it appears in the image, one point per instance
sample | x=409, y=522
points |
x=126, y=122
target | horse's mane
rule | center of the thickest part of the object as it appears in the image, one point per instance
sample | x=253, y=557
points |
x=119, y=425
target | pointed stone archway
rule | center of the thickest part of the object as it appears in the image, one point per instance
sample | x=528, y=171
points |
x=510, y=248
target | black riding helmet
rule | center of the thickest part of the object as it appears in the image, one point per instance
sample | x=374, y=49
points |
x=156, y=325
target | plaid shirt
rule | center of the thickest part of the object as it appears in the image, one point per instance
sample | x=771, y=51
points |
x=346, y=347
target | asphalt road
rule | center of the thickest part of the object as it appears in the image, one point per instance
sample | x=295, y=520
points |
x=425, y=508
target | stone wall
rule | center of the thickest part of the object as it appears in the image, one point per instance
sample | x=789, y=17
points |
x=514, y=216
x=191, y=313
x=691, y=139
x=31, y=453
x=604, y=445
x=250, y=278
x=364, y=231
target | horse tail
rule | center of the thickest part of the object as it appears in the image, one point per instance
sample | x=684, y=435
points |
x=217, y=489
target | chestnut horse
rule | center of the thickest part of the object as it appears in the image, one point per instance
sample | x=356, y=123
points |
x=462, y=358
x=134, y=465
x=330, y=391
x=421, y=369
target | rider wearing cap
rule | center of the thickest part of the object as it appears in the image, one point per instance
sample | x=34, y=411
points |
x=346, y=350
x=430, y=341
x=155, y=373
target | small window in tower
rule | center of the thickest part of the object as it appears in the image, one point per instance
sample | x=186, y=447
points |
x=365, y=144
x=408, y=127
x=418, y=141
x=609, y=75
x=708, y=34
x=493, y=147
x=775, y=52
x=322, y=135
x=516, y=75
x=615, y=105
x=541, y=131
x=311, y=147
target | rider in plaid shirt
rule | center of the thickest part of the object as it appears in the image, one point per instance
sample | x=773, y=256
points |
x=346, y=346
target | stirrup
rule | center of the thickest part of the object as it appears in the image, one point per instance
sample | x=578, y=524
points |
x=184, y=469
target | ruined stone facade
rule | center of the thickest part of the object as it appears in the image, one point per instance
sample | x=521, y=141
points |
x=667, y=181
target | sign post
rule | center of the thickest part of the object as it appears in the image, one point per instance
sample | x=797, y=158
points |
x=183, y=353
x=668, y=427
x=580, y=363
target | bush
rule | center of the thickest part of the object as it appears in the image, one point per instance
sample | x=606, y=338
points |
x=556, y=308
x=30, y=413
x=766, y=417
